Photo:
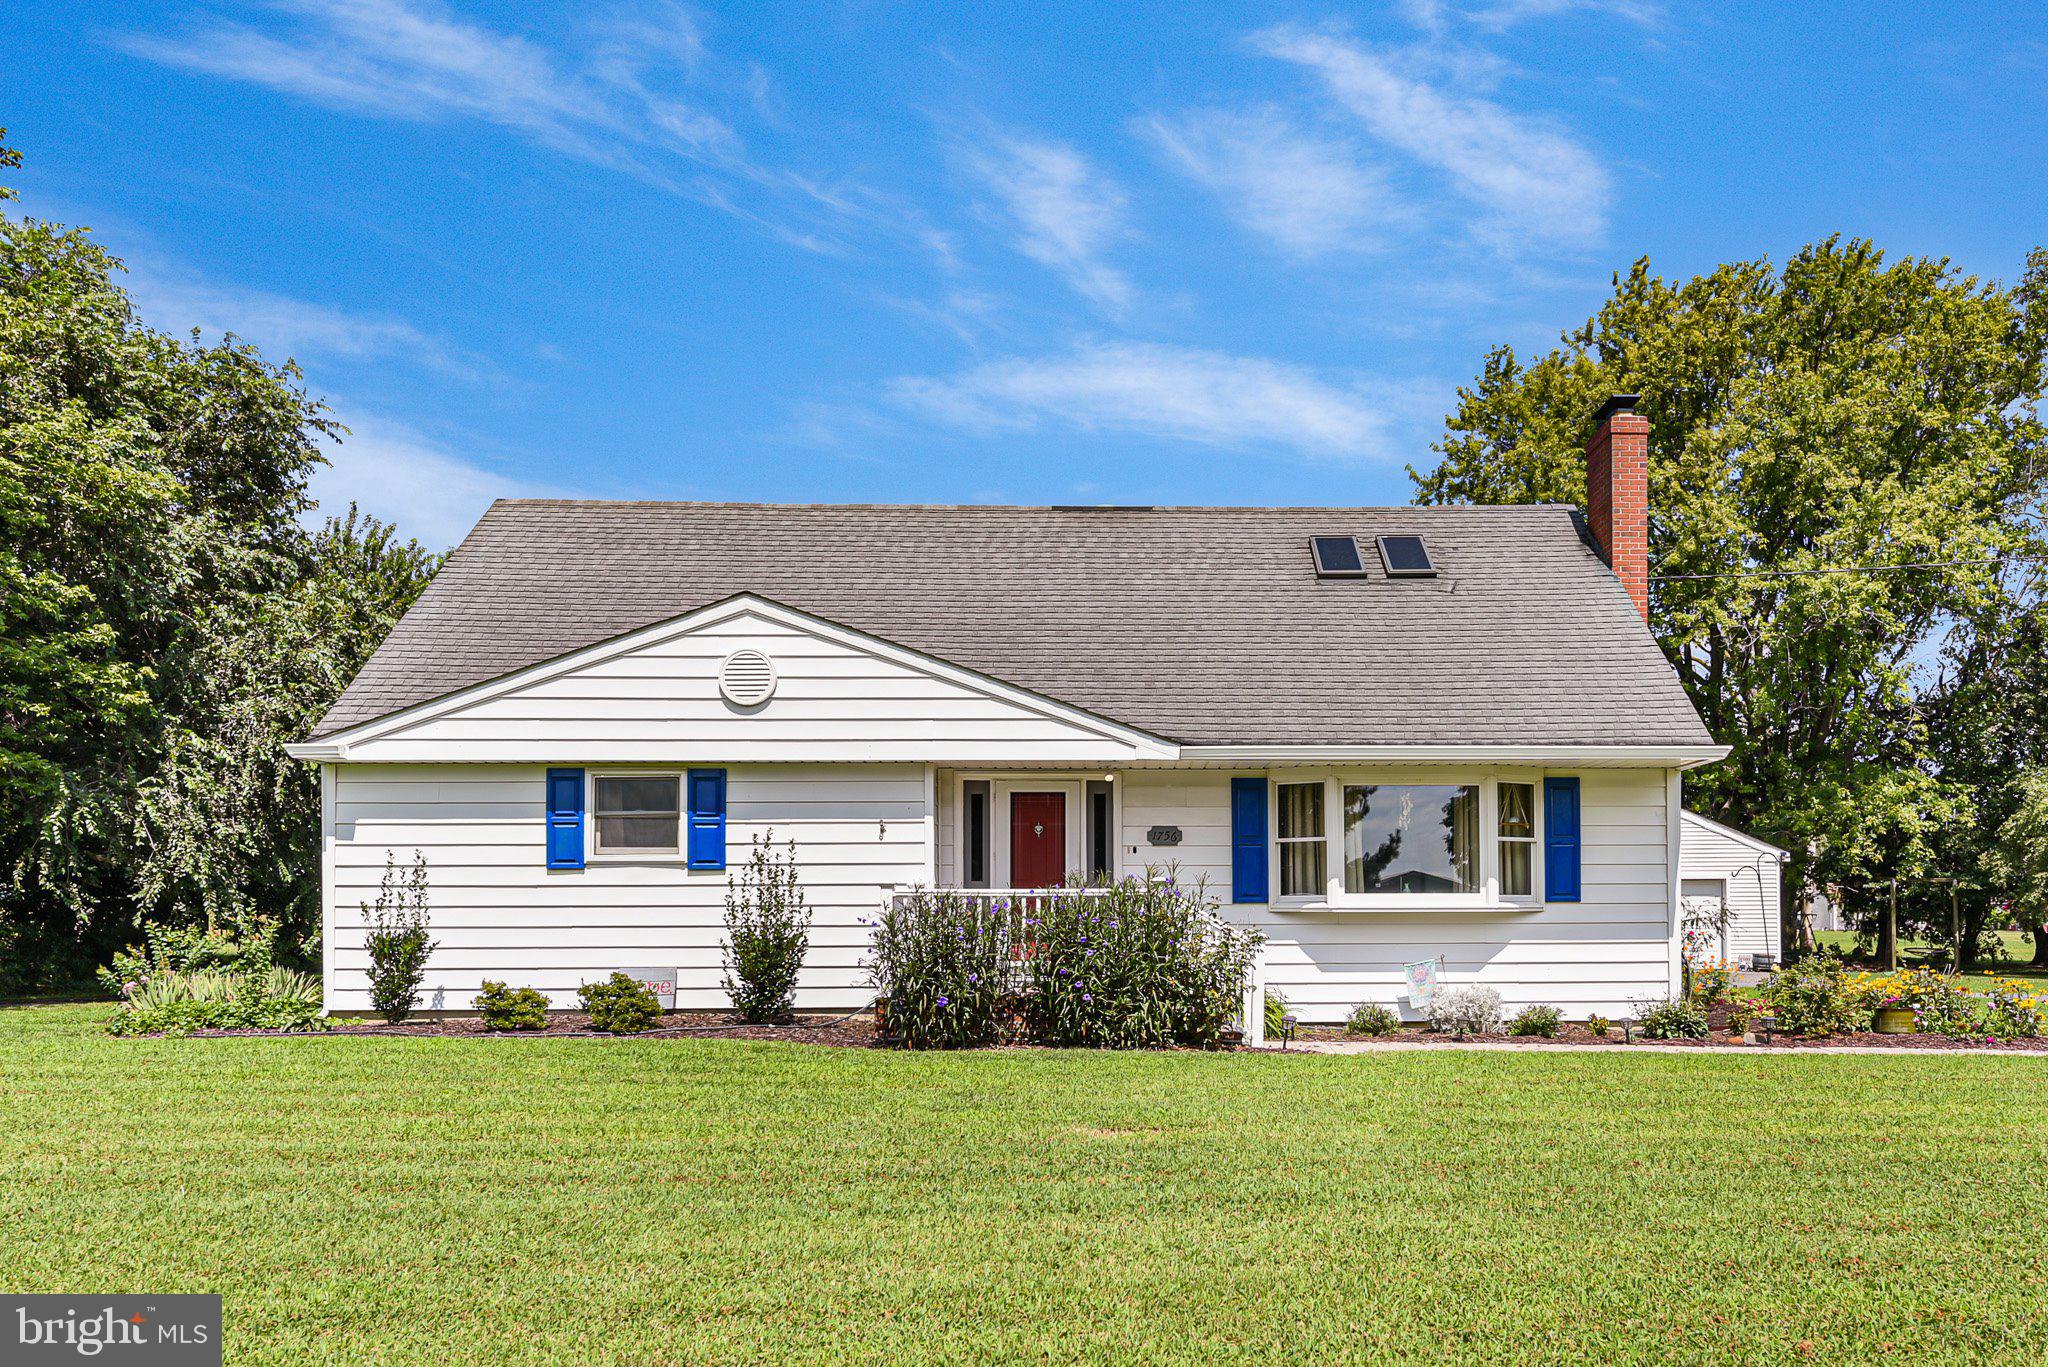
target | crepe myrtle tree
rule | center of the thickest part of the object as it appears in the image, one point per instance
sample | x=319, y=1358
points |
x=1841, y=410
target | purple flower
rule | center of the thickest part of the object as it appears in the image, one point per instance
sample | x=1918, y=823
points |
x=1086, y=998
x=942, y=1001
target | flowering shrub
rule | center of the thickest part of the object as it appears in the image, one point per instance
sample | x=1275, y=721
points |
x=1819, y=997
x=508, y=1008
x=1137, y=964
x=1673, y=1019
x=619, y=1005
x=1465, y=1011
x=767, y=930
x=1712, y=982
x=1541, y=1021
x=941, y=967
x=1372, y=1019
x=174, y=1003
x=2011, y=1010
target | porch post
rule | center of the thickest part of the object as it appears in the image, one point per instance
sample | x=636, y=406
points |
x=1255, y=1003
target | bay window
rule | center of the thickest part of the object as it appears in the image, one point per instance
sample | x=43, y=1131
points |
x=1406, y=838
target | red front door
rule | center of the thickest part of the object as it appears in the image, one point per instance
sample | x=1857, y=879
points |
x=1038, y=840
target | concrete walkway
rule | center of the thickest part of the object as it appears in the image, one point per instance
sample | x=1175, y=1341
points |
x=1395, y=1046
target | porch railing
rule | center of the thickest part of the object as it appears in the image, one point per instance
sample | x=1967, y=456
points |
x=1018, y=902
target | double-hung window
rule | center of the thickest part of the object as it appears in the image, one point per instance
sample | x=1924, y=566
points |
x=639, y=814
x=1516, y=832
x=1303, y=842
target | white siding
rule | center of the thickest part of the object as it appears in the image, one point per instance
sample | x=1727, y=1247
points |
x=498, y=912
x=1750, y=876
x=1605, y=953
x=659, y=700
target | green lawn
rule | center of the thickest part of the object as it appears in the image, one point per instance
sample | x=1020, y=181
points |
x=447, y=1201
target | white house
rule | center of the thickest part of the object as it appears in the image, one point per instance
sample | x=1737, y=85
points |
x=1741, y=873
x=1381, y=735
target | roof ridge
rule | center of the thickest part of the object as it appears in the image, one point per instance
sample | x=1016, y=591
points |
x=1091, y=508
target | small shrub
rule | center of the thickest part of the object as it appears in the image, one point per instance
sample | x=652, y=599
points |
x=188, y=949
x=619, y=1005
x=1540, y=1021
x=397, y=939
x=1471, y=1010
x=1818, y=996
x=507, y=1008
x=1277, y=1008
x=1743, y=1015
x=1673, y=1019
x=1372, y=1019
x=767, y=930
x=1136, y=964
x=1599, y=1027
x=941, y=968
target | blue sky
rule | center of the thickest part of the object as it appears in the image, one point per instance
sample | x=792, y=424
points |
x=1132, y=253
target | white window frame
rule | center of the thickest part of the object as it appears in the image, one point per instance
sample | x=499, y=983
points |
x=1534, y=839
x=1335, y=898
x=1281, y=842
x=594, y=853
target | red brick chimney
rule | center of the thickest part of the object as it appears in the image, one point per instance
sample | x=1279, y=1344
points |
x=1618, y=494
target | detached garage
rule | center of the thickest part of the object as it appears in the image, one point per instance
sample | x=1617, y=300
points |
x=1739, y=871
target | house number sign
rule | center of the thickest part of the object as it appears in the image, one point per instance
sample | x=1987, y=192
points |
x=1164, y=835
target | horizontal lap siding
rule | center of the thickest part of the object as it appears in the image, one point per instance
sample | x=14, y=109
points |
x=1605, y=953
x=1752, y=886
x=496, y=911
x=662, y=702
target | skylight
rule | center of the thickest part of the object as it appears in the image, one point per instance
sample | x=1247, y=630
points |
x=1406, y=557
x=1337, y=557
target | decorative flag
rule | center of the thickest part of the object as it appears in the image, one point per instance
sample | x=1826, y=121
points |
x=1421, y=983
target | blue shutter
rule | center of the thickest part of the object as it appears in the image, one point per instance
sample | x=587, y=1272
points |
x=1248, y=881
x=565, y=818
x=1560, y=840
x=707, y=818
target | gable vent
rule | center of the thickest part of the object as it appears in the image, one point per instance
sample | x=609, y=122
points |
x=747, y=678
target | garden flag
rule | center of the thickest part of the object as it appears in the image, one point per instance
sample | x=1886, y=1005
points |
x=1421, y=983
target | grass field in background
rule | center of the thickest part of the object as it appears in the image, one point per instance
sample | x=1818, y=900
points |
x=528, y=1201
x=2019, y=952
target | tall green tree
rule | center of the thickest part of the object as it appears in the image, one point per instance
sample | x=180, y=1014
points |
x=1840, y=411
x=159, y=604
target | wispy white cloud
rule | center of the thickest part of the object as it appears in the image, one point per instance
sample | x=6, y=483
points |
x=629, y=103
x=1066, y=214
x=1501, y=15
x=1307, y=193
x=1536, y=180
x=177, y=301
x=403, y=477
x=1211, y=398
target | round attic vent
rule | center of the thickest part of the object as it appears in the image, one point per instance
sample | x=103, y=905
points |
x=747, y=678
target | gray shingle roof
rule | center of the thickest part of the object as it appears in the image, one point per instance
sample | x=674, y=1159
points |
x=1202, y=625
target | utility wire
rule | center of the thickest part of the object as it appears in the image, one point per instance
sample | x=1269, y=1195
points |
x=1831, y=569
